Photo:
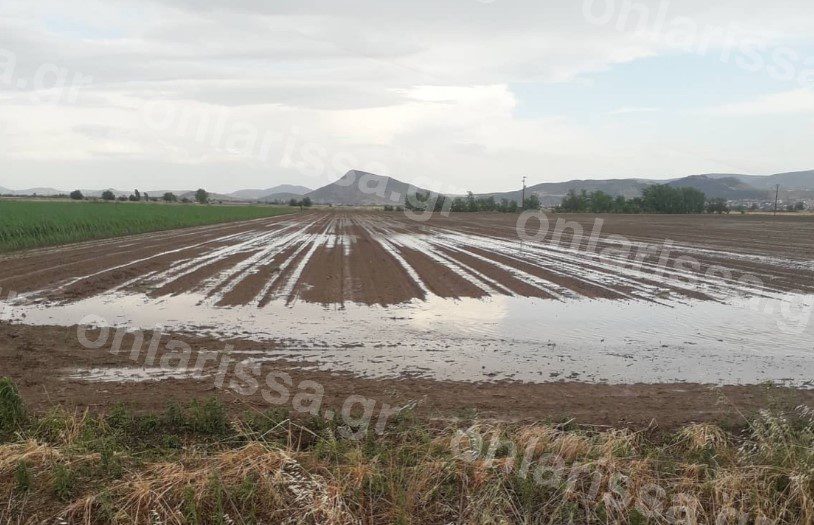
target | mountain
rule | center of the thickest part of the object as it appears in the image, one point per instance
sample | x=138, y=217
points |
x=263, y=194
x=281, y=197
x=729, y=188
x=191, y=196
x=359, y=188
x=45, y=192
x=795, y=180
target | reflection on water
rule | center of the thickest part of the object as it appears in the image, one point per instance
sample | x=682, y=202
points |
x=497, y=338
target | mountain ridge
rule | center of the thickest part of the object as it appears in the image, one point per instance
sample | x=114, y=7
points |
x=362, y=188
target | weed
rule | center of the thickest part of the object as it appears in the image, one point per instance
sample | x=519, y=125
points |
x=12, y=411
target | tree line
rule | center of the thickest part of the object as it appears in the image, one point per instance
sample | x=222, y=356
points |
x=427, y=201
x=654, y=199
x=201, y=197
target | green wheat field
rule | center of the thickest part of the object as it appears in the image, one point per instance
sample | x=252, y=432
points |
x=32, y=224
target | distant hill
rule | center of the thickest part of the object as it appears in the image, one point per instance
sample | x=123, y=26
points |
x=281, y=197
x=261, y=195
x=796, y=180
x=730, y=188
x=359, y=188
x=45, y=192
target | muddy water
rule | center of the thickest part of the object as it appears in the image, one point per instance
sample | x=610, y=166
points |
x=496, y=338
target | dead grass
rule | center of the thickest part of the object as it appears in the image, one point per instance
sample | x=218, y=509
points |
x=189, y=465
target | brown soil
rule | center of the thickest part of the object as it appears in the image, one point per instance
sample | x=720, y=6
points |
x=37, y=358
x=781, y=250
x=339, y=256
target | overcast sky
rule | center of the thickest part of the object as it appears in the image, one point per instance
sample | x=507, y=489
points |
x=448, y=94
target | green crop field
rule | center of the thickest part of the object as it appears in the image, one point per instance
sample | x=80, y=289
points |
x=30, y=224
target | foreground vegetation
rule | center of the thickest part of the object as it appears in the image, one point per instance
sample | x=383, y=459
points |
x=29, y=224
x=196, y=465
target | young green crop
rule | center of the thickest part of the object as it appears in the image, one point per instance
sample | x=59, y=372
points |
x=30, y=224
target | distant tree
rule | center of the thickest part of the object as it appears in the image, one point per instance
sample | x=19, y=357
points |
x=532, y=202
x=458, y=205
x=306, y=201
x=186, y=200
x=293, y=202
x=108, y=195
x=717, y=205
x=800, y=206
x=201, y=196
x=600, y=202
x=121, y=198
x=146, y=197
x=76, y=195
x=137, y=195
x=170, y=197
x=574, y=202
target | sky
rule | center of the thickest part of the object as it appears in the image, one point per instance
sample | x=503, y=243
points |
x=451, y=95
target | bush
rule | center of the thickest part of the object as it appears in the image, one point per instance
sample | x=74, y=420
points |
x=76, y=195
x=108, y=195
x=12, y=411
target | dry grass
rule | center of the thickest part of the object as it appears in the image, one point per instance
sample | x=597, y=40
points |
x=191, y=466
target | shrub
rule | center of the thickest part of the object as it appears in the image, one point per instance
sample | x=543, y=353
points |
x=12, y=411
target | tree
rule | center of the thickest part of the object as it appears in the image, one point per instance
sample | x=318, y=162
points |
x=532, y=202
x=121, y=198
x=170, y=197
x=201, y=196
x=306, y=201
x=574, y=202
x=146, y=197
x=661, y=198
x=293, y=202
x=601, y=202
x=76, y=195
x=717, y=205
x=800, y=206
x=108, y=195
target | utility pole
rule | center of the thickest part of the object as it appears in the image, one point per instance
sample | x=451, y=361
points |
x=776, y=196
x=523, y=202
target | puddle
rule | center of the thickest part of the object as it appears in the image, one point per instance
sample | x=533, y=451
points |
x=497, y=338
x=129, y=375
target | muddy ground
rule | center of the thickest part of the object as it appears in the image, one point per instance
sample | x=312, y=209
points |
x=38, y=358
x=336, y=257
x=378, y=258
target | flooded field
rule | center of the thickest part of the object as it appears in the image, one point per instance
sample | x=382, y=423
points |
x=684, y=299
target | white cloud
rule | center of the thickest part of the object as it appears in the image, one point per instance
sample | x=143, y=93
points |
x=421, y=88
x=789, y=102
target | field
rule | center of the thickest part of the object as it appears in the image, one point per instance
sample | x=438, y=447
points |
x=30, y=224
x=672, y=350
